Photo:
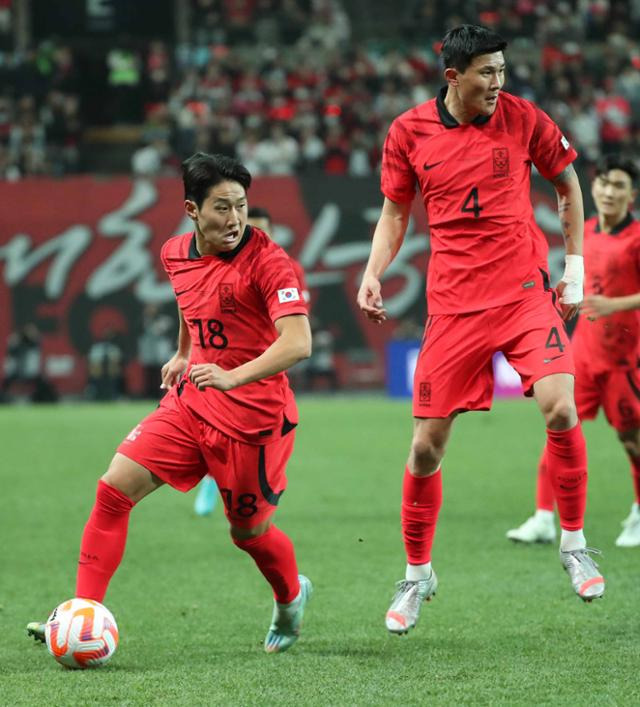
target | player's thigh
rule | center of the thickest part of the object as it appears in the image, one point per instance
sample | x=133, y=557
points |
x=131, y=478
x=167, y=444
x=534, y=340
x=251, y=478
x=454, y=370
x=621, y=400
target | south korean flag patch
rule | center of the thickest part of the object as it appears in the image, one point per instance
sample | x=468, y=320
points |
x=289, y=294
x=564, y=142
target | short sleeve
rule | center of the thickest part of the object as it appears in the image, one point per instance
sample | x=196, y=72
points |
x=397, y=178
x=549, y=149
x=279, y=286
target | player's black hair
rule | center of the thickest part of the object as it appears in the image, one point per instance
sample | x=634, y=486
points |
x=615, y=161
x=464, y=42
x=201, y=171
x=258, y=212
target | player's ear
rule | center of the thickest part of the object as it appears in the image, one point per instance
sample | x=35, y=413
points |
x=451, y=74
x=191, y=209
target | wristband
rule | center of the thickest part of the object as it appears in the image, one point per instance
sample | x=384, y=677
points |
x=573, y=278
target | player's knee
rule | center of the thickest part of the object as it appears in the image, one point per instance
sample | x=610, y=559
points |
x=425, y=456
x=561, y=414
x=239, y=534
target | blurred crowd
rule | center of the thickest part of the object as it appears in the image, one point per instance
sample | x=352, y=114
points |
x=288, y=85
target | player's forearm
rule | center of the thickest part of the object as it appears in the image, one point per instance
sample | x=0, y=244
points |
x=570, y=210
x=289, y=348
x=387, y=240
x=626, y=303
x=184, y=340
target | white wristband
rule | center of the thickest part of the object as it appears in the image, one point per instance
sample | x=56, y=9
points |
x=573, y=278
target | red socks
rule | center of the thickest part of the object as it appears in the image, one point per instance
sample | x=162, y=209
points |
x=273, y=553
x=103, y=541
x=421, y=501
x=566, y=461
x=544, y=490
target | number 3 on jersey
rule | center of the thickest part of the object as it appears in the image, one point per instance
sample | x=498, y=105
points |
x=210, y=333
x=472, y=204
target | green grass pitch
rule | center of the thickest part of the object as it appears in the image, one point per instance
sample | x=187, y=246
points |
x=192, y=610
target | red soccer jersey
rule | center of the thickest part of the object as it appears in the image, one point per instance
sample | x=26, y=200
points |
x=299, y=270
x=230, y=302
x=475, y=185
x=612, y=268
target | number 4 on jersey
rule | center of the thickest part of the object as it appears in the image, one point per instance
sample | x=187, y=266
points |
x=472, y=204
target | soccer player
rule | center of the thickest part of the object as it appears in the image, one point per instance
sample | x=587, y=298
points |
x=606, y=341
x=258, y=217
x=469, y=152
x=229, y=411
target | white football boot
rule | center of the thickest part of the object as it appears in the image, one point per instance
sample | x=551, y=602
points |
x=585, y=576
x=630, y=535
x=537, y=529
x=405, y=606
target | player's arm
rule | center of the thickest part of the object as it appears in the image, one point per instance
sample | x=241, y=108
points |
x=292, y=345
x=177, y=364
x=387, y=240
x=595, y=306
x=571, y=213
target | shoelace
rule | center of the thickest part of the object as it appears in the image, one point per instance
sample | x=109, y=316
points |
x=583, y=556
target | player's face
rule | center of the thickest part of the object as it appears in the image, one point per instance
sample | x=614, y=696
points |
x=613, y=194
x=478, y=87
x=221, y=220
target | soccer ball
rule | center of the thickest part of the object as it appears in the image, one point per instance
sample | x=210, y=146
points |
x=81, y=633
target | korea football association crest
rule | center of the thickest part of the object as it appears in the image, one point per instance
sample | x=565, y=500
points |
x=227, y=298
x=500, y=162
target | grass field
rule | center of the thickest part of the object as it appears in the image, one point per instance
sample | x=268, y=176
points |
x=192, y=610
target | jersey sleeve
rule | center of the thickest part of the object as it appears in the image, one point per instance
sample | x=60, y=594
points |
x=549, y=149
x=397, y=178
x=280, y=287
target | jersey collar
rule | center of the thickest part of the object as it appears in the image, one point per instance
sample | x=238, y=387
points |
x=227, y=255
x=447, y=119
x=626, y=221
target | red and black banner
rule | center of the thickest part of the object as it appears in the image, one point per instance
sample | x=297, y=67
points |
x=80, y=255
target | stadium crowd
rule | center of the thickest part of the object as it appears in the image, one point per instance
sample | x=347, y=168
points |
x=287, y=85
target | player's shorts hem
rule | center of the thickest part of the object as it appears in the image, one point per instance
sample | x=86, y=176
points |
x=456, y=411
x=528, y=391
x=163, y=475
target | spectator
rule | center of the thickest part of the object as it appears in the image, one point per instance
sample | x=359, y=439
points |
x=23, y=367
x=106, y=368
x=156, y=345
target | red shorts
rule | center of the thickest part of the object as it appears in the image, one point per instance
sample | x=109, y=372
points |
x=180, y=449
x=617, y=391
x=454, y=371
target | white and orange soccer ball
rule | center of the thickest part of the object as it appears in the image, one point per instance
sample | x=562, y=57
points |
x=81, y=633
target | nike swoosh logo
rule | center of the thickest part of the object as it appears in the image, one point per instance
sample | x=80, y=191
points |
x=432, y=165
x=553, y=358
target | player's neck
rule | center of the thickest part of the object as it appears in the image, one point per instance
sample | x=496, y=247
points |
x=457, y=109
x=608, y=223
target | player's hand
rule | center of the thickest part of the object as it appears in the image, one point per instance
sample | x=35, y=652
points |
x=172, y=370
x=370, y=300
x=595, y=306
x=208, y=375
x=570, y=299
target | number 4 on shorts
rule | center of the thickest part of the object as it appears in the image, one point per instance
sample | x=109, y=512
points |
x=554, y=341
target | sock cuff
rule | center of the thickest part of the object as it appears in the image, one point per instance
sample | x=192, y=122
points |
x=248, y=543
x=112, y=498
x=565, y=436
